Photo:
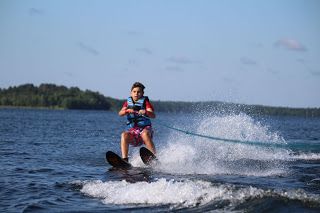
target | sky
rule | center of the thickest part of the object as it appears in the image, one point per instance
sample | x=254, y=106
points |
x=248, y=51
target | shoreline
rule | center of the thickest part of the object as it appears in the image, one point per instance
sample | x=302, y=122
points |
x=56, y=97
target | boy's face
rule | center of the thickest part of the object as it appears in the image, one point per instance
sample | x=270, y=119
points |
x=136, y=93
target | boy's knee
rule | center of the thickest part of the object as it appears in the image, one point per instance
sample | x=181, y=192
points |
x=125, y=135
x=146, y=133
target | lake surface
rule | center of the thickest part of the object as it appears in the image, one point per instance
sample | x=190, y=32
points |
x=53, y=161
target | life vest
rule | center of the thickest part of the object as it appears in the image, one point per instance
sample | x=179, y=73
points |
x=135, y=119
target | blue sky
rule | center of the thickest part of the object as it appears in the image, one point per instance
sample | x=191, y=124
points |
x=248, y=51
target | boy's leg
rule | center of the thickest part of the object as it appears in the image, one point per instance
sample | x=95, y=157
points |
x=125, y=138
x=147, y=139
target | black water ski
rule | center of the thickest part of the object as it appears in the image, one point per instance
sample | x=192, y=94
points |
x=147, y=156
x=116, y=161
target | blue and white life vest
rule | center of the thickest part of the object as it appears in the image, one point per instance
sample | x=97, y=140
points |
x=135, y=119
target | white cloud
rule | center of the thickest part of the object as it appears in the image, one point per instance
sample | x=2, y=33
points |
x=181, y=60
x=290, y=44
x=174, y=69
x=145, y=51
x=248, y=61
x=87, y=48
x=35, y=11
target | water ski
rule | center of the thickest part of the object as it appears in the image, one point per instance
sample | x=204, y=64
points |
x=147, y=156
x=116, y=161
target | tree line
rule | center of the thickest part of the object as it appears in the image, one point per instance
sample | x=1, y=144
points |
x=52, y=96
x=62, y=97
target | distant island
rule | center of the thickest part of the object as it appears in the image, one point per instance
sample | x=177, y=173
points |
x=61, y=97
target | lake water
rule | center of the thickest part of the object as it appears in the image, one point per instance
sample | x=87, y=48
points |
x=53, y=161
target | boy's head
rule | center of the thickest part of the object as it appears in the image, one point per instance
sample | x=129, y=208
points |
x=138, y=84
x=137, y=91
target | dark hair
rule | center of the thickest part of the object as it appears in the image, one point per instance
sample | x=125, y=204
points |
x=138, y=84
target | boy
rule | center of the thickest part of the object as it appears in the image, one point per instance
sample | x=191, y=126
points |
x=138, y=110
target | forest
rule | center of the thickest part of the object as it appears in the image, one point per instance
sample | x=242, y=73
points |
x=61, y=97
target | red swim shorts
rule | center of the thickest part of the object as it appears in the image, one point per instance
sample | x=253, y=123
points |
x=135, y=133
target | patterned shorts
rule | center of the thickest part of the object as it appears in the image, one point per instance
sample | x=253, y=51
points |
x=135, y=133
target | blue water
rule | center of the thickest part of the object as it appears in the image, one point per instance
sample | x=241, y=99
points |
x=53, y=161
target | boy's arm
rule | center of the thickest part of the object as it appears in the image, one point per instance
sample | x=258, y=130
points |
x=149, y=110
x=124, y=110
x=150, y=113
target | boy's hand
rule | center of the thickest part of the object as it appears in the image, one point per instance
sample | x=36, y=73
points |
x=142, y=112
x=128, y=111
